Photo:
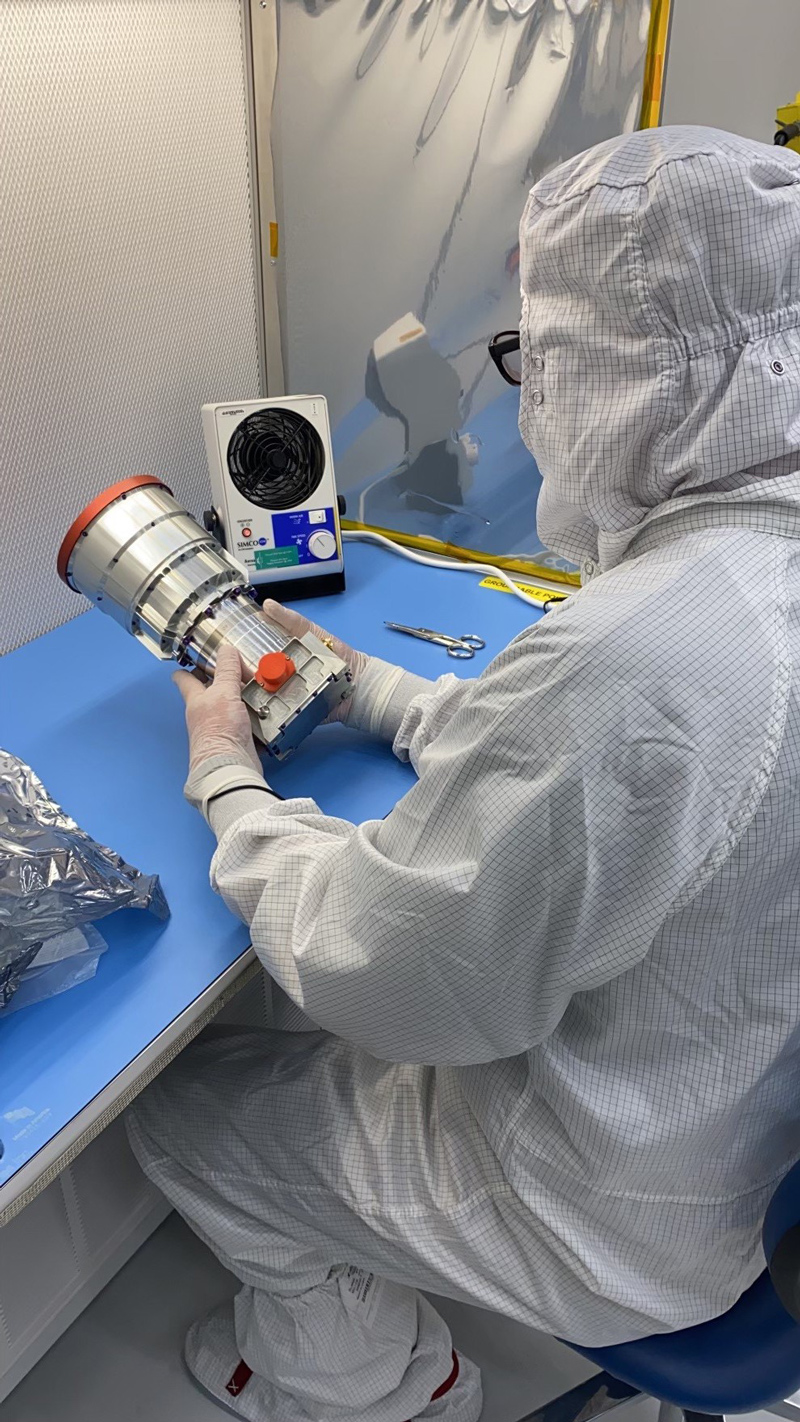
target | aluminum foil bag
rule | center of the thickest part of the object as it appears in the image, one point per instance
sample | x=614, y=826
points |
x=53, y=876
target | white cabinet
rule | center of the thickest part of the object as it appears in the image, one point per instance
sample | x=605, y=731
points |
x=65, y=1246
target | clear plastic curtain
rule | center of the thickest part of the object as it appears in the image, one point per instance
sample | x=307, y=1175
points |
x=406, y=135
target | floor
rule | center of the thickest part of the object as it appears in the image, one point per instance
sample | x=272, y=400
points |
x=122, y=1358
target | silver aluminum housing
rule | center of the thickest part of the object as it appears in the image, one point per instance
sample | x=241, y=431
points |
x=147, y=563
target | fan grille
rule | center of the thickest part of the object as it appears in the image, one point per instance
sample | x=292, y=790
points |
x=276, y=458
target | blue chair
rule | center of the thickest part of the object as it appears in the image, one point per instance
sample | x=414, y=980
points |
x=746, y=1361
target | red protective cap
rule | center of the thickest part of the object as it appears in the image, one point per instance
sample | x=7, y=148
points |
x=90, y=513
x=274, y=669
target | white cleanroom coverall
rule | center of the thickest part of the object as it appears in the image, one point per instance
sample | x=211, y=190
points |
x=558, y=987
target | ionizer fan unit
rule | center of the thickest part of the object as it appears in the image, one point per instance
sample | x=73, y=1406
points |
x=274, y=493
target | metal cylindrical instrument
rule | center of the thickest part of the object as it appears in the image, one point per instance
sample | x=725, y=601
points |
x=140, y=557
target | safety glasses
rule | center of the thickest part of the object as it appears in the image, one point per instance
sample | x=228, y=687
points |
x=505, y=352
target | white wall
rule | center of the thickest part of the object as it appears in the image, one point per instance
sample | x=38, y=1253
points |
x=732, y=62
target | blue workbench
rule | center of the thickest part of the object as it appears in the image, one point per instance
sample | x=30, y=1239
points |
x=101, y=723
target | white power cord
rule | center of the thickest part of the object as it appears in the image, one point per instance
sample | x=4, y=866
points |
x=362, y=535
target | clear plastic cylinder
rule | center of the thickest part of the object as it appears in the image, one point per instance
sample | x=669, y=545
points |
x=235, y=620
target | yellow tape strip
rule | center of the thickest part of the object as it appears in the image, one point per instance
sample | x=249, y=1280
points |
x=542, y=595
x=274, y=241
x=467, y=555
x=653, y=86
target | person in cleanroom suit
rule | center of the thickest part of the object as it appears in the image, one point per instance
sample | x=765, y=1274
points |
x=557, y=989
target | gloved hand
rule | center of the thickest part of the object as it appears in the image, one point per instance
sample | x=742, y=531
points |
x=296, y=625
x=216, y=717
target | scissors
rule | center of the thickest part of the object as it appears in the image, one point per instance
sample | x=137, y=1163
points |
x=462, y=647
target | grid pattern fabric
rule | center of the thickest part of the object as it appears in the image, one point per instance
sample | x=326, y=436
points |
x=562, y=974
x=561, y=979
x=126, y=264
x=660, y=330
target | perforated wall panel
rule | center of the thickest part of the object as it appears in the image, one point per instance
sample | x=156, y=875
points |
x=127, y=290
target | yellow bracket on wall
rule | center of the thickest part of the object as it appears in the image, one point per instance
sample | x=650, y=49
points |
x=655, y=64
